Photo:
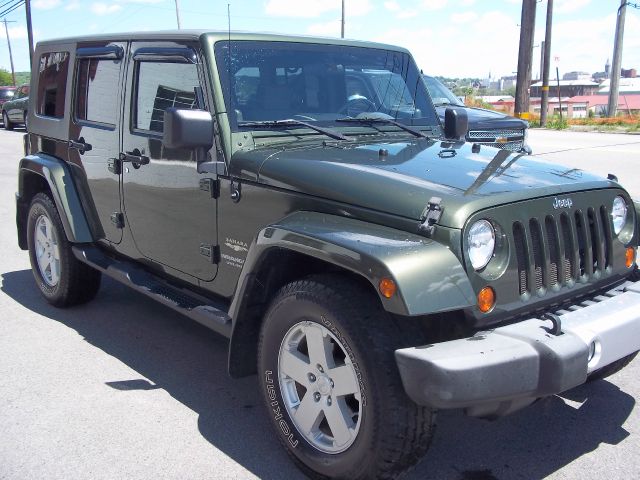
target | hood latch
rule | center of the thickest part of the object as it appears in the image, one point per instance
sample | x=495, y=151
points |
x=430, y=216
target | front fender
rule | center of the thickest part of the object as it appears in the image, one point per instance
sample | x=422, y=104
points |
x=428, y=275
x=63, y=190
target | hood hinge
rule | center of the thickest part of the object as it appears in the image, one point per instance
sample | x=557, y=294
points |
x=430, y=216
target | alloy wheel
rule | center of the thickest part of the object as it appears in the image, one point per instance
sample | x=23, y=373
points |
x=47, y=251
x=320, y=387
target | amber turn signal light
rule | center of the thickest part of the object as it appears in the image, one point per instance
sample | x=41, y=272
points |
x=630, y=257
x=486, y=299
x=387, y=287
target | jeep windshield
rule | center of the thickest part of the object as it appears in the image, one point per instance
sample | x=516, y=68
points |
x=319, y=84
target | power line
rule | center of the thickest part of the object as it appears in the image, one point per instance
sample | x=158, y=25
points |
x=12, y=8
x=7, y=3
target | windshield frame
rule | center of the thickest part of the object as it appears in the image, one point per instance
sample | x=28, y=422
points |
x=409, y=71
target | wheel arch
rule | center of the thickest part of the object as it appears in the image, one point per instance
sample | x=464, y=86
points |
x=429, y=277
x=45, y=173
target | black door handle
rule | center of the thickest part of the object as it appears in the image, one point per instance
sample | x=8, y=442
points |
x=135, y=158
x=80, y=145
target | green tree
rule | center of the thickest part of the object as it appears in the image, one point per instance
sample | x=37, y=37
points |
x=5, y=77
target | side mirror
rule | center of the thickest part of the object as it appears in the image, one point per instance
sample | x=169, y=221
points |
x=187, y=129
x=456, y=123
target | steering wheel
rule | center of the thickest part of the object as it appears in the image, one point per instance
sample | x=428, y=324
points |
x=357, y=104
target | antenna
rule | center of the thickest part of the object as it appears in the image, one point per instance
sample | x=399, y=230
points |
x=229, y=50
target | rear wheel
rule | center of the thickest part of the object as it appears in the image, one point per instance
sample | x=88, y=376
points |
x=62, y=279
x=331, y=384
x=8, y=124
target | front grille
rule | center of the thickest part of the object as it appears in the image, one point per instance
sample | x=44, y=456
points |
x=562, y=249
x=512, y=138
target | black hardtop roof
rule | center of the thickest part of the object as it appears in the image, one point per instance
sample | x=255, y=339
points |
x=216, y=35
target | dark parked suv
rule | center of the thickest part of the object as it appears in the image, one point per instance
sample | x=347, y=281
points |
x=14, y=110
x=486, y=127
x=369, y=265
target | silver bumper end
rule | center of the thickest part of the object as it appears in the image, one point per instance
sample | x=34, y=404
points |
x=498, y=371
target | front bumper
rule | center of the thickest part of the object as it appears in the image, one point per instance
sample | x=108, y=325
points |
x=496, y=372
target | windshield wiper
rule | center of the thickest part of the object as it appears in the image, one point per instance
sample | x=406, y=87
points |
x=293, y=123
x=388, y=121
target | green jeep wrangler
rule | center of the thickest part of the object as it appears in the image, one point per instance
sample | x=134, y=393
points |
x=368, y=264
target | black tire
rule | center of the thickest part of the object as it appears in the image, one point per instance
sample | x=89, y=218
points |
x=78, y=283
x=8, y=124
x=26, y=123
x=612, y=368
x=394, y=433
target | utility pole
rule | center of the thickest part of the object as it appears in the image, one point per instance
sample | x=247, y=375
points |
x=525, y=57
x=13, y=72
x=342, y=23
x=27, y=6
x=614, y=86
x=544, y=101
x=177, y=14
x=541, y=60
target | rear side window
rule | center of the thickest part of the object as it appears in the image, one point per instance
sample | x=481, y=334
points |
x=52, y=84
x=97, y=81
x=161, y=86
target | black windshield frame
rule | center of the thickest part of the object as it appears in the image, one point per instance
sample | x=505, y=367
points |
x=347, y=60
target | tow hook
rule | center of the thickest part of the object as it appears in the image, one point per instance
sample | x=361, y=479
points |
x=555, y=320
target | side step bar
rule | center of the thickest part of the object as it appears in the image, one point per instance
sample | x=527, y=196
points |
x=204, y=311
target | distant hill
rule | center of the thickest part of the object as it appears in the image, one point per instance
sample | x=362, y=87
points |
x=21, y=77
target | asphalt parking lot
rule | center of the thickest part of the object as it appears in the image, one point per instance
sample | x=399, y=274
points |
x=125, y=388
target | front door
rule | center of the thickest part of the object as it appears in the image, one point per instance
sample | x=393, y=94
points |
x=172, y=220
x=94, y=129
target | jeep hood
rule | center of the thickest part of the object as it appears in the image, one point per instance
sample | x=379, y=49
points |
x=402, y=181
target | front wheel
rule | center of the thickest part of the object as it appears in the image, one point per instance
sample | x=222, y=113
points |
x=62, y=279
x=331, y=384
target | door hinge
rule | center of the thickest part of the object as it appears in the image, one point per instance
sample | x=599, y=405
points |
x=115, y=166
x=117, y=218
x=430, y=216
x=210, y=251
x=210, y=185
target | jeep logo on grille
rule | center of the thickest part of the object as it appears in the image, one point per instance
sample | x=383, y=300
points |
x=562, y=203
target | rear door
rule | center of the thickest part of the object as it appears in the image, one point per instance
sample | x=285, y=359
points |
x=94, y=136
x=172, y=219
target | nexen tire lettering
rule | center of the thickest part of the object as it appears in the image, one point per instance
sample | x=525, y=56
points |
x=356, y=367
x=277, y=411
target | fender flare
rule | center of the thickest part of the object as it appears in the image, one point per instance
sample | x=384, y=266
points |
x=429, y=277
x=65, y=195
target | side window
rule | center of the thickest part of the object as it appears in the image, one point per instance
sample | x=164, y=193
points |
x=52, y=84
x=95, y=101
x=159, y=87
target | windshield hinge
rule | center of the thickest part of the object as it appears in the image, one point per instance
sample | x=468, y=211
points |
x=430, y=216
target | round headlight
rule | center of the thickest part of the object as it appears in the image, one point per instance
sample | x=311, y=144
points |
x=619, y=214
x=482, y=242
